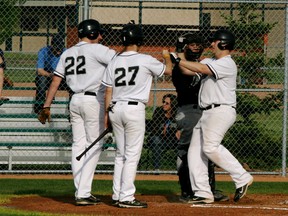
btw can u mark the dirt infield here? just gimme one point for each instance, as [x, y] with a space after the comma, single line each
[252, 204]
[276, 204]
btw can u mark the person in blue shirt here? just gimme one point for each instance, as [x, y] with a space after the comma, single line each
[48, 58]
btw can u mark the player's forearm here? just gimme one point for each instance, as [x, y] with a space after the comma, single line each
[43, 72]
[108, 97]
[52, 90]
[195, 67]
[186, 71]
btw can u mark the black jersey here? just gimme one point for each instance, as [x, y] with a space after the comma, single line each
[187, 90]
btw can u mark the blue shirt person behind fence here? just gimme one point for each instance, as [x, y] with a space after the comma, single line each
[48, 58]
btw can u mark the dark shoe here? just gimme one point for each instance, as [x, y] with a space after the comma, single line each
[200, 200]
[240, 192]
[219, 197]
[115, 202]
[132, 204]
[185, 197]
[92, 200]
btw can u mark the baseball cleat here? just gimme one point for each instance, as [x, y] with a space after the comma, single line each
[132, 204]
[241, 192]
[92, 200]
[185, 197]
[219, 197]
[200, 200]
[115, 202]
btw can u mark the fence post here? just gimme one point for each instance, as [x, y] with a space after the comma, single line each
[86, 9]
[285, 99]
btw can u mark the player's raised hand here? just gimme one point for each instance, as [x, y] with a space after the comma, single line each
[166, 54]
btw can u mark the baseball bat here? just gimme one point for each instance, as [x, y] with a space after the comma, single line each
[106, 131]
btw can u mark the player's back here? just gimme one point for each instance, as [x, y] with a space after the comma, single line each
[132, 74]
[83, 66]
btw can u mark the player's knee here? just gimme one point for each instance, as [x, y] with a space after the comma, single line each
[209, 149]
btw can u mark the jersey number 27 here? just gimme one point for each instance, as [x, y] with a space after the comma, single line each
[121, 75]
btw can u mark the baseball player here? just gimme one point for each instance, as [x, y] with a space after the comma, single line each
[83, 66]
[189, 47]
[217, 99]
[128, 80]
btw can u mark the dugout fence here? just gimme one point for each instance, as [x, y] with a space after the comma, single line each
[259, 136]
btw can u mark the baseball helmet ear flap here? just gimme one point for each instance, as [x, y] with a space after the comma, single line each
[92, 35]
[226, 38]
[224, 45]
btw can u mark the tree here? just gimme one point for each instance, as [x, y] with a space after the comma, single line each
[249, 30]
[10, 18]
[248, 135]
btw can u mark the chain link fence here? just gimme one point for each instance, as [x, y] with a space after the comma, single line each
[259, 136]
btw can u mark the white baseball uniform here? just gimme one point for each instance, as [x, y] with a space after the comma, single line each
[83, 67]
[130, 76]
[217, 94]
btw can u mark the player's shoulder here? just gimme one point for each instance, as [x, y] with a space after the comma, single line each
[45, 49]
[206, 60]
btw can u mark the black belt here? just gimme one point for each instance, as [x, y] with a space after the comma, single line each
[129, 102]
[90, 93]
[211, 106]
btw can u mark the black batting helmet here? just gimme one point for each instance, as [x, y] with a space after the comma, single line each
[89, 28]
[132, 34]
[190, 38]
[226, 38]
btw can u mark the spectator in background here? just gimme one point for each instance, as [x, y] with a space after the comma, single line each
[2, 68]
[48, 58]
[163, 129]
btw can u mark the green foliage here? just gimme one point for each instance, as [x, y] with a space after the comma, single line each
[278, 61]
[9, 18]
[250, 140]
[254, 145]
[249, 30]
[249, 104]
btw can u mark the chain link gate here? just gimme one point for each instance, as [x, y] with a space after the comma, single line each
[258, 139]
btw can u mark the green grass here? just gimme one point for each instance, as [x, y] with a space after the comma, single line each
[21, 75]
[51, 187]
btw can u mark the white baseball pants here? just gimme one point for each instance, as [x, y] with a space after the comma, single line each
[87, 119]
[128, 122]
[206, 143]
